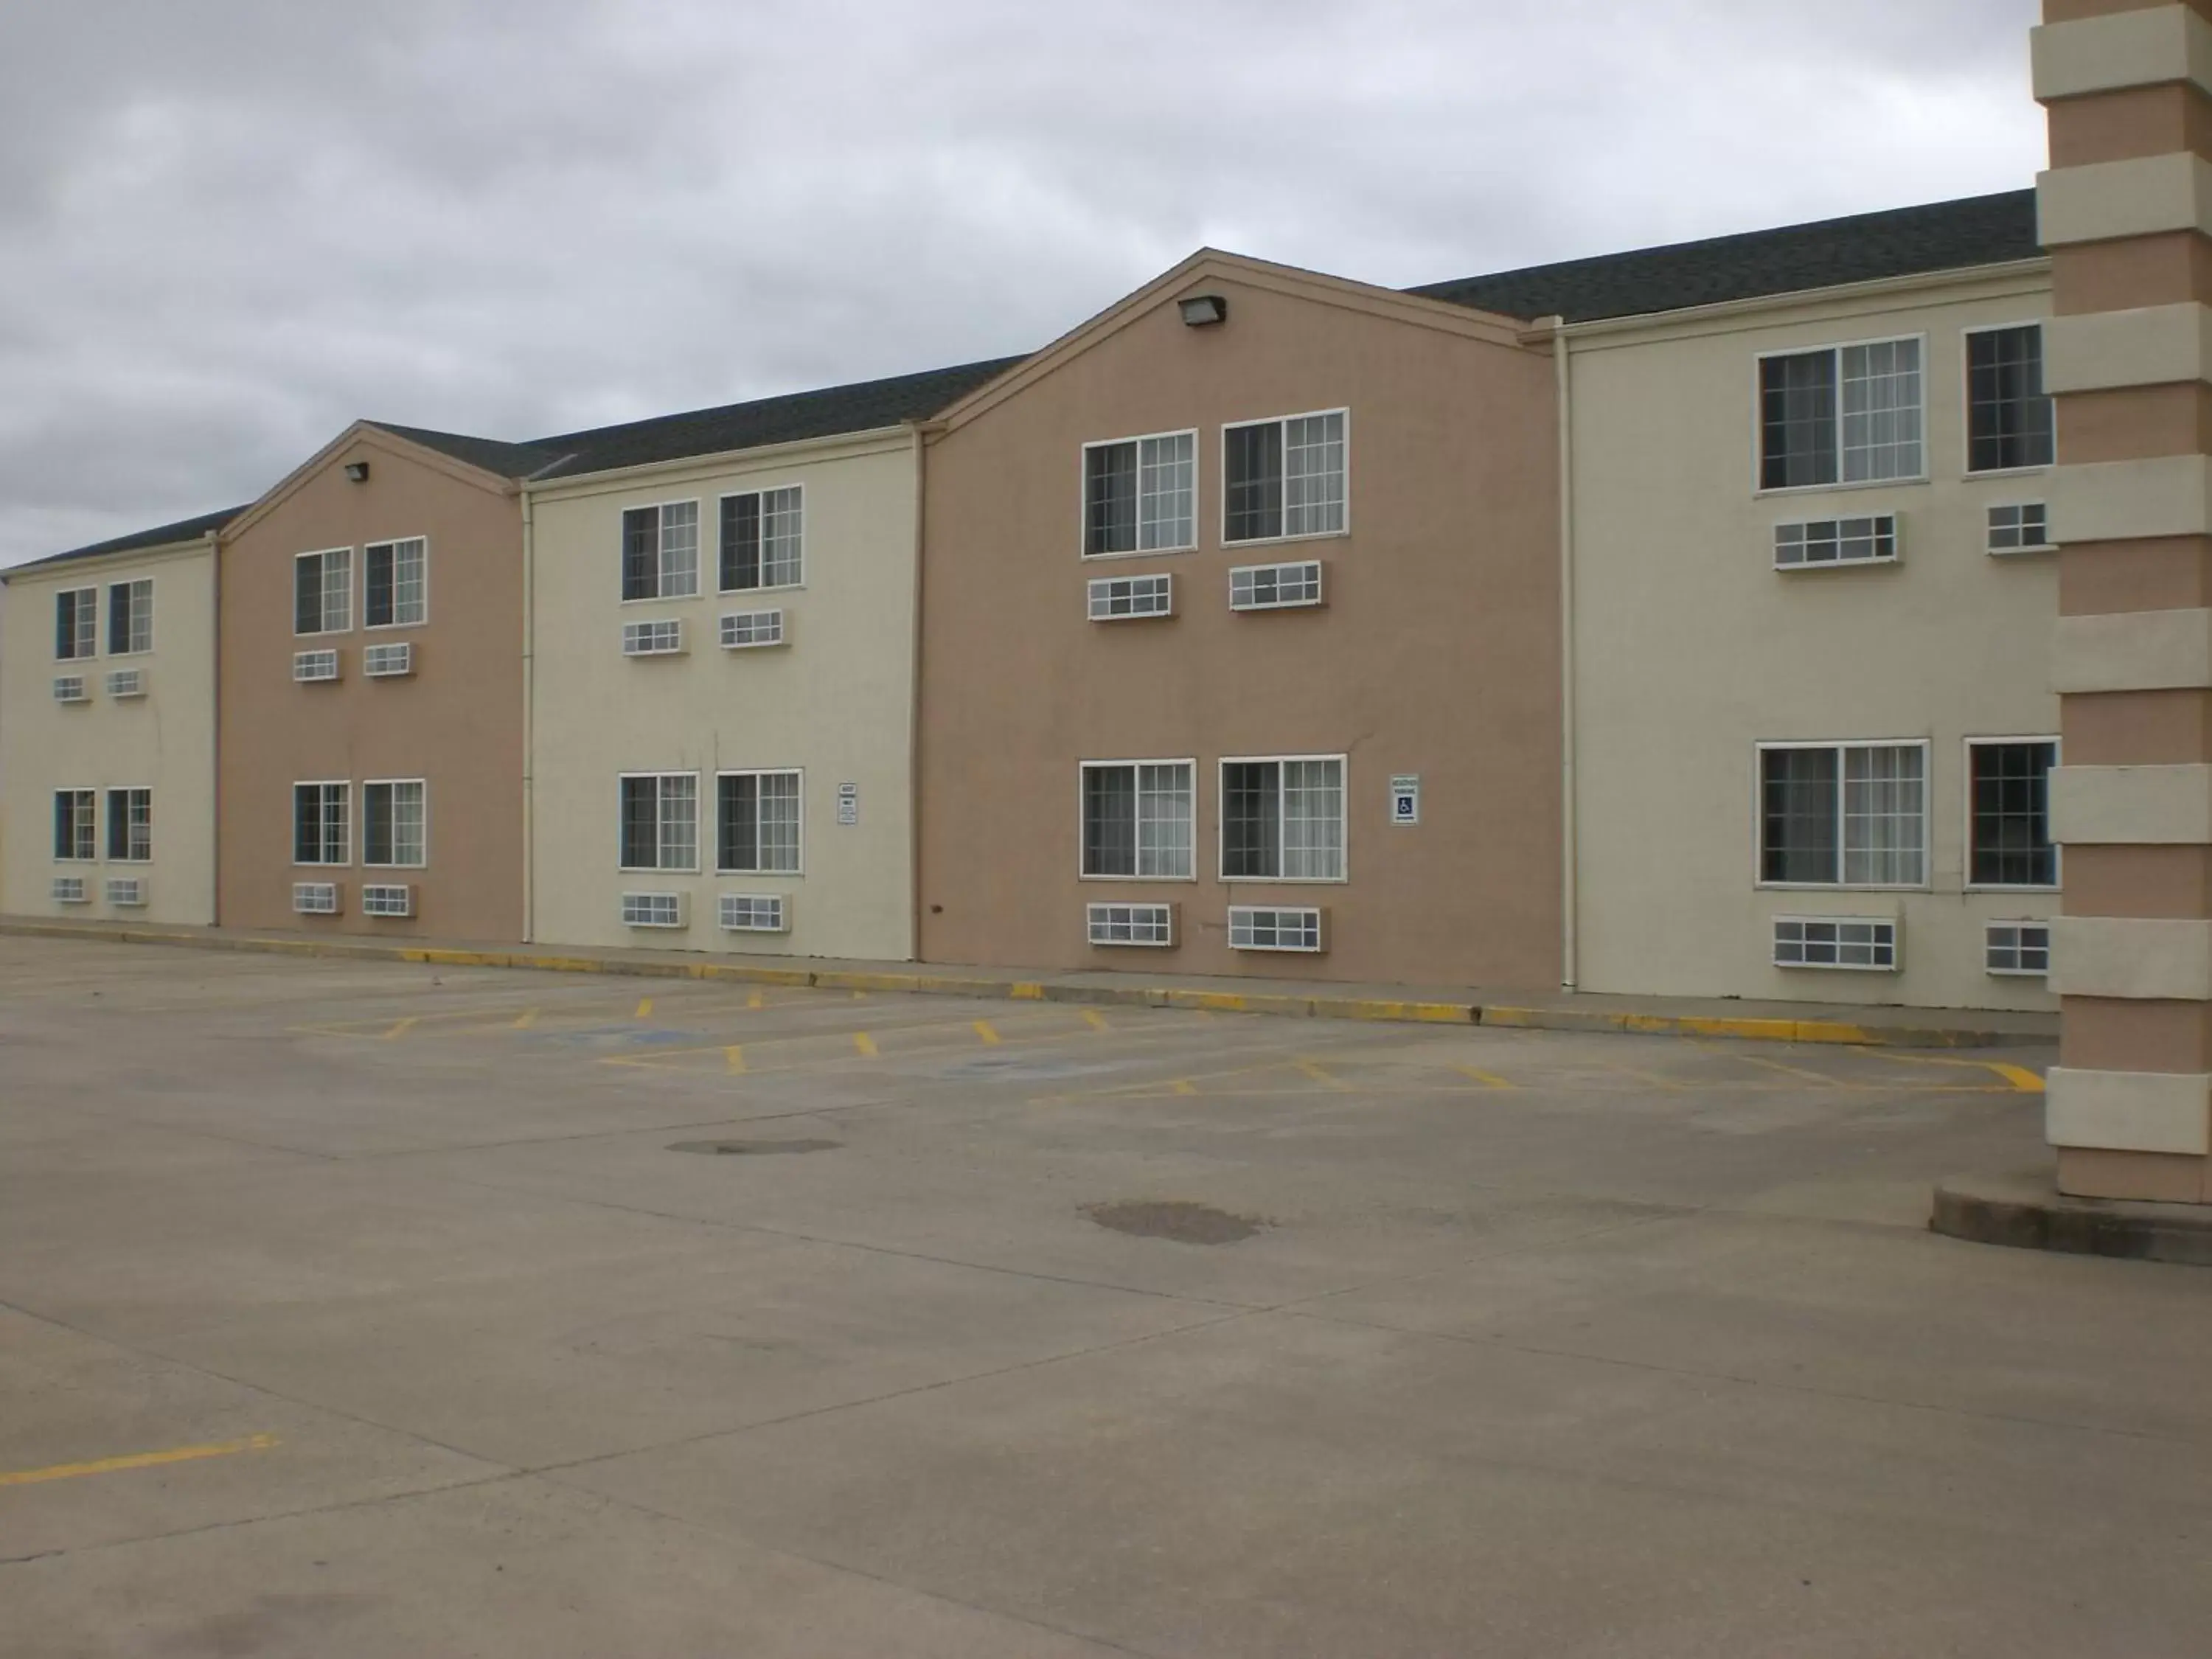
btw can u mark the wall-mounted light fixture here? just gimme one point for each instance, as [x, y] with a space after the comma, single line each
[357, 471]
[1202, 310]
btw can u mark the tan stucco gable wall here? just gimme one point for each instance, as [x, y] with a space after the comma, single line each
[1437, 653]
[456, 722]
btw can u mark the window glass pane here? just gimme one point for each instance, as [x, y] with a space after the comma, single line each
[337, 590]
[118, 617]
[1797, 420]
[2011, 785]
[679, 549]
[782, 532]
[142, 615]
[1109, 821]
[376, 824]
[779, 821]
[2008, 418]
[679, 822]
[76, 624]
[376, 584]
[640, 822]
[1167, 491]
[408, 824]
[1797, 815]
[1255, 482]
[641, 555]
[1885, 816]
[1163, 821]
[1881, 410]
[130, 824]
[1313, 819]
[741, 543]
[1313, 475]
[1110, 498]
[1251, 828]
[410, 576]
[307, 595]
[738, 816]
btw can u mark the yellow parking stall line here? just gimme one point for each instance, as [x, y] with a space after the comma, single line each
[1183, 1085]
[137, 1461]
[865, 1044]
[645, 1008]
[1096, 1020]
[1821, 1077]
[757, 1000]
[1313, 1069]
[988, 1033]
[525, 1020]
[2020, 1077]
[1487, 1080]
[733, 1059]
[403, 1027]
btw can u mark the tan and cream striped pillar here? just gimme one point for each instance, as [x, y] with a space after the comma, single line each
[2126, 212]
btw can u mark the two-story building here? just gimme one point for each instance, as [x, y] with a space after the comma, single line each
[1240, 642]
[721, 673]
[107, 738]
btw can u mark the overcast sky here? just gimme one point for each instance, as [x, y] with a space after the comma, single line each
[228, 227]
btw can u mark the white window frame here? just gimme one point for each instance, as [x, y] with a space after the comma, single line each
[421, 863]
[92, 857]
[660, 549]
[78, 631]
[797, 870]
[1927, 817]
[1221, 823]
[1083, 770]
[395, 543]
[1966, 747]
[293, 598]
[1967, 406]
[2046, 545]
[1836, 349]
[693, 868]
[1228, 427]
[2016, 922]
[133, 584]
[765, 587]
[292, 804]
[110, 791]
[1083, 495]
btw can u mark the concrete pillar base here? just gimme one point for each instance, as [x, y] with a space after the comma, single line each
[2028, 1212]
[2156, 1177]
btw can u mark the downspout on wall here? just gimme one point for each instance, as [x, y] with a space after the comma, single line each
[921, 431]
[529, 711]
[1569, 893]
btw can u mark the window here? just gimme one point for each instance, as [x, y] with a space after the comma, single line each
[1112, 598]
[76, 624]
[1836, 541]
[1140, 494]
[1282, 820]
[2021, 528]
[1843, 413]
[2017, 947]
[322, 592]
[2009, 802]
[761, 533]
[395, 583]
[393, 822]
[130, 825]
[660, 551]
[76, 834]
[1137, 819]
[758, 823]
[1283, 478]
[320, 832]
[130, 618]
[1852, 815]
[660, 821]
[2008, 415]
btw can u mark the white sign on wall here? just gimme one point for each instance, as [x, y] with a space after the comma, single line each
[1406, 797]
[849, 803]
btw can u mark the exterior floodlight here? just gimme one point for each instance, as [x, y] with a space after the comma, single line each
[357, 471]
[1201, 310]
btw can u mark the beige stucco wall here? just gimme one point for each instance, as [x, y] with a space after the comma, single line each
[164, 741]
[1436, 653]
[835, 702]
[456, 722]
[1690, 649]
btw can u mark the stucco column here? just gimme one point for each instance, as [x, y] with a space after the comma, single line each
[2126, 211]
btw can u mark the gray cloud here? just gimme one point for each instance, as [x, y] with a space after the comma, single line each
[227, 228]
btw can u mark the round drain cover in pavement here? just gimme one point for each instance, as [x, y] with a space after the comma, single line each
[754, 1148]
[1176, 1219]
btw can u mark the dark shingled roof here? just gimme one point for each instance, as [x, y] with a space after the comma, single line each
[485, 454]
[1979, 230]
[184, 530]
[863, 406]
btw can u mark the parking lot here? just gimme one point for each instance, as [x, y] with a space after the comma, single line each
[355, 1309]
